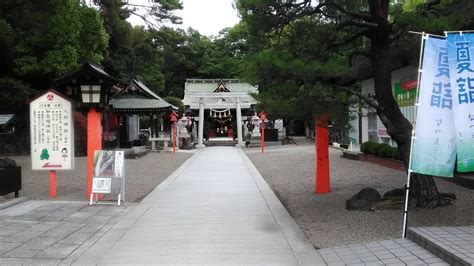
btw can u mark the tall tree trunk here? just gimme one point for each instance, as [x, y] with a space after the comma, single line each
[423, 190]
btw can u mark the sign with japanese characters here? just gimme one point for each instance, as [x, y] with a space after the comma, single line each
[101, 185]
[405, 92]
[108, 169]
[461, 67]
[434, 147]
[51, 132]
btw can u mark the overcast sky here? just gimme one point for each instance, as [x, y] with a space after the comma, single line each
[206, 16]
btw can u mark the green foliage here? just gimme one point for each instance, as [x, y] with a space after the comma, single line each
[394, 154]
[380, 150]
[383, 150]
[43, 40]
[54, 46]
[176, 102]
[188, 54]
[293, 65]
[367, 147]
[94, 37]
[14, 92]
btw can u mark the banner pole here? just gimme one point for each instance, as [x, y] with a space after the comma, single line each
[407, 186]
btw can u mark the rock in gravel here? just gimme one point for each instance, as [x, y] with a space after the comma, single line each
[363, 200]
[394, 193]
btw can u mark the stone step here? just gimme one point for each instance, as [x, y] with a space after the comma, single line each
[220, 143]
[455, 245]
[135, 152]
[387, 252]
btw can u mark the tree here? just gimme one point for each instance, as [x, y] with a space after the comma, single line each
[137, 51]
[47, 39]
[188, 54]
[39, 42]
[295, 74]
[369, 20]
[154, 13]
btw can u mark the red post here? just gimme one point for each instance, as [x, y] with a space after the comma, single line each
[173, 119]
[263, 117]
[322, 155]
[174, 137]
[94, 142]
[52, 184]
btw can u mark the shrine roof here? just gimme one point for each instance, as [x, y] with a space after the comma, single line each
[137, 97]
[140, 104]
[224, 85]
[137, 87]
[87, 72]
[6, 118]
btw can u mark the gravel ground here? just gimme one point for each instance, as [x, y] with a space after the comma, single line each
[141, 176]
[289, 170]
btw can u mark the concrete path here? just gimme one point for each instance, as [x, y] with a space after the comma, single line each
[215, 209]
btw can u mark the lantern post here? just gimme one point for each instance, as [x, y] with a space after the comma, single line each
[90, 88]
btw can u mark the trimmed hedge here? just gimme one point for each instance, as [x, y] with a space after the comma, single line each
[381, 150]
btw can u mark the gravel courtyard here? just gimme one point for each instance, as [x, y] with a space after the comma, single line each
[141, 176]
[289, 170]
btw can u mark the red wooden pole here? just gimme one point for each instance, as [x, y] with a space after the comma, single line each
[94, 142]
[322, 156]
[52, 184]
[174, 137]
[263, 137]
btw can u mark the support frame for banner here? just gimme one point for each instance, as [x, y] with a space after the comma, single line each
[424, 36]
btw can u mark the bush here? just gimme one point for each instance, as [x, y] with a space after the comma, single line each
[344, 146]
[367, 147]
[381, 150]
[395, 154]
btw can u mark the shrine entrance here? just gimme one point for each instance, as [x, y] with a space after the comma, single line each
[221, 125]
[220, 107]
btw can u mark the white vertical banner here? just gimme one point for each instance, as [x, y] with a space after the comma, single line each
[460, 49]
[434, 146]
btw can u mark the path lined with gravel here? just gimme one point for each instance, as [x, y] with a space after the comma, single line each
[142, 175]
[289, 170]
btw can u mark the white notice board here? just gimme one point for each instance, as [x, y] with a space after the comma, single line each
[51, 132]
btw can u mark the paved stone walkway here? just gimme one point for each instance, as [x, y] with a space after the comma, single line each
[48, 232]
[215, 209]
[454, 244]
[388, 252]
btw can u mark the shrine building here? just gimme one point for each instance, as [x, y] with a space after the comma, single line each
[221, 106]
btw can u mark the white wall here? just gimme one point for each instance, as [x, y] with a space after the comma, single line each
[367, 87]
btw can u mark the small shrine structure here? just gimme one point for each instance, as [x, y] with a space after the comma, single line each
[128, 105]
